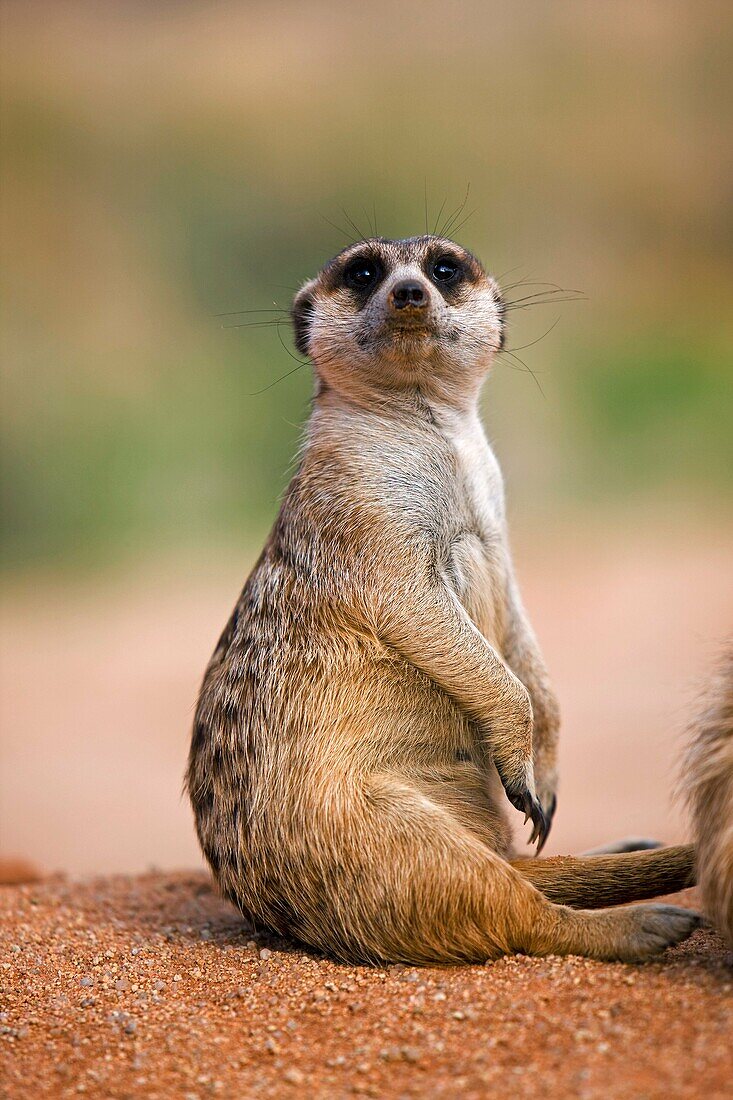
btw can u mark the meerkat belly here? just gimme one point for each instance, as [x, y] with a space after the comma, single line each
[389, 714]
[400, 722]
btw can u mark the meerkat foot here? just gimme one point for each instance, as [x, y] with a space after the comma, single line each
[654, 928]
[629, 933]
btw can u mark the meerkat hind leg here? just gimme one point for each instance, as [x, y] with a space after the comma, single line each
[418, 887]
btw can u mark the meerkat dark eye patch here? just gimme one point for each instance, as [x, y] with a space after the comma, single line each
[363, 274]
[446, 271]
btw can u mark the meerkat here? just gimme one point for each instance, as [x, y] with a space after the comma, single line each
[378, 688]
[707, 783]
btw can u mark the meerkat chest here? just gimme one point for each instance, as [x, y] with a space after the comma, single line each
[479, 485]
[477, 551]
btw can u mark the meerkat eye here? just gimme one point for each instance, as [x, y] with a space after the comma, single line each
[362, 274]
[446, 270]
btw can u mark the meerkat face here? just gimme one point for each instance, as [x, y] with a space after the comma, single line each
[389, 315]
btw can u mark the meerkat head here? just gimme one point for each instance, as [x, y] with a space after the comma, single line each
[389, 315]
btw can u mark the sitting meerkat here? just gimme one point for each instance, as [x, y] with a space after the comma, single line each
[707, 783]
[378, 687]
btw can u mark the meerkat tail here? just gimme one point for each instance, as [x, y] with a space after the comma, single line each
[626, 844]
[590, 882]
[707, 785]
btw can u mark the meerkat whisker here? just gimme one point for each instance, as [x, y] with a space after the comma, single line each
[256, 393]
[237, 312]
[257, 324]
[446, 229]
[352, 223]
[527, 369]
[339, 229]
[546, 298]
[457, 228]
[523, 347]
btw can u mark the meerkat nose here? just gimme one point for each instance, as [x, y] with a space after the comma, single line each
[409, 293]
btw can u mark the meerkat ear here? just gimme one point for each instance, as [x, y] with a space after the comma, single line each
[301, 314]
[501, 309]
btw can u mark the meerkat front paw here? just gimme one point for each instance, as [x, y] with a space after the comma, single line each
[522, 795]
[510, 739]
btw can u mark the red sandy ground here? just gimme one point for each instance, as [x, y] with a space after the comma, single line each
[152, 987]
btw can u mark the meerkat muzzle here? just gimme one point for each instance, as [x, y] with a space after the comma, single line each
[408, 295]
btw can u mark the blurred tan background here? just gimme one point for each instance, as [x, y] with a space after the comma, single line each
[165, 163]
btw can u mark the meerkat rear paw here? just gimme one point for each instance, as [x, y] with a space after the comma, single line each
[650, 929]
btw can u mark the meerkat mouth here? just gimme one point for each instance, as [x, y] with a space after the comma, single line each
[397, 331]
[415, 327]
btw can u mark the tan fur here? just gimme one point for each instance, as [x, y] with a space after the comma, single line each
[378, 682]
[707, 782]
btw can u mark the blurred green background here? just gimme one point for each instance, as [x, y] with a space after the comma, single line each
[164, 163]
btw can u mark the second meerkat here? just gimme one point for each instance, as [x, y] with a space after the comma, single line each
[379, 683]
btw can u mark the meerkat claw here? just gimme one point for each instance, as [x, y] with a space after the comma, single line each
[530, 806]
[540, 830]
[542, 834]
